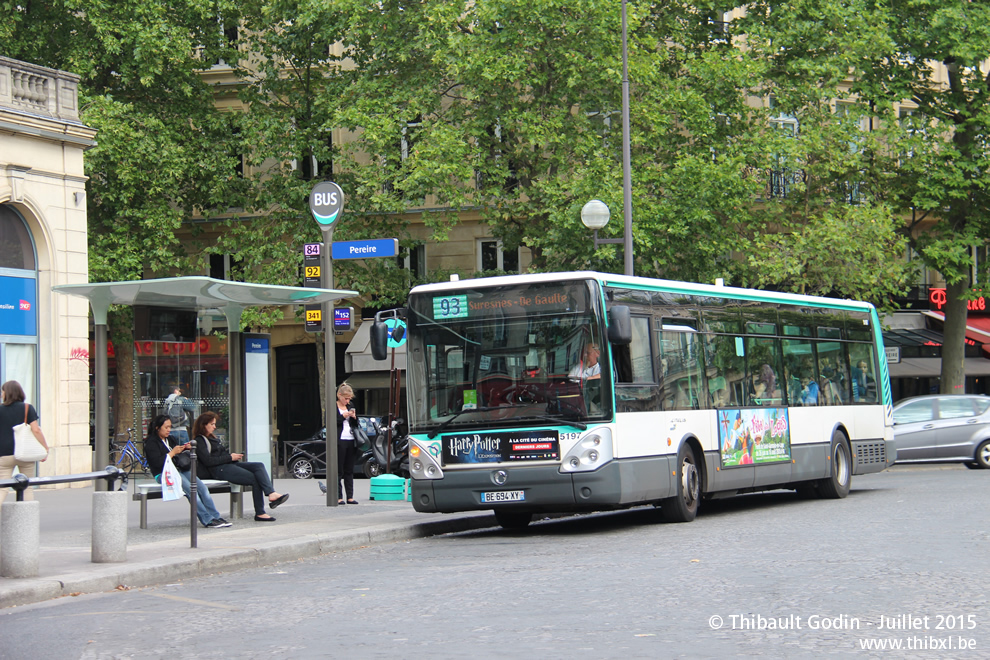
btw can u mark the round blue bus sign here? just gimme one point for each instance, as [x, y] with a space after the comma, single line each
[326, 201]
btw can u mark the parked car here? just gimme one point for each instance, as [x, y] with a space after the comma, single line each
[309, 459]
[943, 427]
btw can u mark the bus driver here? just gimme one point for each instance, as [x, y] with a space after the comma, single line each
[588, 368]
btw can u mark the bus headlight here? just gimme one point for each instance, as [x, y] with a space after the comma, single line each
[424, 462]
[591, 452]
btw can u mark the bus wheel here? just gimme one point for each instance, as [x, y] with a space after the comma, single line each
[513, 519]
[683, 507]
[836, 486]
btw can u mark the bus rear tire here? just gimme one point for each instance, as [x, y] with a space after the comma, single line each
[683, 507]
[836, 485]
[513, 519]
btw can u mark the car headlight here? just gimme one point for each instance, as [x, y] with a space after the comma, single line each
[592, 451]
[424, 461]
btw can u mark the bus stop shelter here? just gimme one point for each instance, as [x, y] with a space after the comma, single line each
[192, 294]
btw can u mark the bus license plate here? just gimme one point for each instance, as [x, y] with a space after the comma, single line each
[504, 496]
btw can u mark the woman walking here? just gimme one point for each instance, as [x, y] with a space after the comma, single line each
[12, 414]
[221, 464]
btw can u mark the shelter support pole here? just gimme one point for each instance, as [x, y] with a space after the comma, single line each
[101, 404]
[235, 362]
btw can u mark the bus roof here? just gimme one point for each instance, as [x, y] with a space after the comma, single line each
[647, 283]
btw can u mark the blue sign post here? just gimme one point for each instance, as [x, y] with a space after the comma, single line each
[377, 247]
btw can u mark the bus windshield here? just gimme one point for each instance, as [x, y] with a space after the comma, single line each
[506, 356]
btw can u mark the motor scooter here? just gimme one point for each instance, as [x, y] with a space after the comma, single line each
[398, 462]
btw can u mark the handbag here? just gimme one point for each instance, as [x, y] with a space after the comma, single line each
[27, 449]
[171, 481]
[182, 461]
[361, 440]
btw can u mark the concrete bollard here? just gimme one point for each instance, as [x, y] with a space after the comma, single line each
[20, 539]
[109, 527]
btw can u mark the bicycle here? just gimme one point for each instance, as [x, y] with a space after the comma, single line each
[127, 457]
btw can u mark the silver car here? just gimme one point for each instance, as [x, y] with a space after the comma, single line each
[943, 427]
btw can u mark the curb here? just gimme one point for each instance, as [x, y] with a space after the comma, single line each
[109, 577]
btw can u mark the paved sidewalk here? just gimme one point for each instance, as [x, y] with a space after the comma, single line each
[305, 527]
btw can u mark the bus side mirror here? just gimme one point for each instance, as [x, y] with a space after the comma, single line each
[619, 325]
[379, 340]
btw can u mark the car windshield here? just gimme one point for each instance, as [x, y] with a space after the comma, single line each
[506, 355]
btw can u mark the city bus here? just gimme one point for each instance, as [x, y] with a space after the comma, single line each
[583, 391]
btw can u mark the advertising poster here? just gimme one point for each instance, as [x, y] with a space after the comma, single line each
[18, 306]
[464, 448]
[753, 436]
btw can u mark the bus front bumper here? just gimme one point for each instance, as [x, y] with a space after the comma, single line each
[543, 488]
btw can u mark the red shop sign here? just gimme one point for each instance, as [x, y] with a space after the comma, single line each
[937, 298]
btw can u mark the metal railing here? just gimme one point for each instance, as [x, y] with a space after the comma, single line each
[21, 482]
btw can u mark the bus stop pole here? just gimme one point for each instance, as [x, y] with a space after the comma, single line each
[330, 375]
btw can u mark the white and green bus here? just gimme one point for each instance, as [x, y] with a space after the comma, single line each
[700, 391]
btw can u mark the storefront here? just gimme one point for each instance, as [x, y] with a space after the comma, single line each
[914, 348]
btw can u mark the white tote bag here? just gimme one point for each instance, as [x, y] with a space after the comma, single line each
[171, 481]
[27, 449]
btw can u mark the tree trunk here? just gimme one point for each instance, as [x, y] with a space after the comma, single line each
[121, 334]
[954, 340]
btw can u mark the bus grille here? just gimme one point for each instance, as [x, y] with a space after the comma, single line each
[869, 453]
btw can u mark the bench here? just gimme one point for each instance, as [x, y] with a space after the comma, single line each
[152, 490]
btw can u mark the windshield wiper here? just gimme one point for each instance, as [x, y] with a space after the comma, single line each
[432, 434]
[556, 420]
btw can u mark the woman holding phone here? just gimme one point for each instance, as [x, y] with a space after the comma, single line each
[221, 464]
[157, 446]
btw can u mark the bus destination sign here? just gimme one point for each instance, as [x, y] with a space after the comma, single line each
[528, 300]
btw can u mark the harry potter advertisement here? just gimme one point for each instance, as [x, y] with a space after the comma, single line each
[753, 436]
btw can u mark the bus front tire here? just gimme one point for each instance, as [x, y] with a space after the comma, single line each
[836, 485]
[683, 506]
[513, 519]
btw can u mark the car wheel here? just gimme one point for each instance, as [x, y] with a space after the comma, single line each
[513, 519]
[683, 507]
[983, 455]
[301, 468]
[372, 468]
[836, 485]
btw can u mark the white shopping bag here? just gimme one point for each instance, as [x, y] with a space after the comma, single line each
[171, 481]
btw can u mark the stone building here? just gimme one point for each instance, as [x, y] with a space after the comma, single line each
[44, 336]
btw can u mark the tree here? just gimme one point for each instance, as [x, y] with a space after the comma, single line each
[163, 149]
[894, 58]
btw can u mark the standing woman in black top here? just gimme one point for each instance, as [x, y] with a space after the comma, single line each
[346, 423]
[12, 414]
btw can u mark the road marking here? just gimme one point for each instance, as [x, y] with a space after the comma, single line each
[194, 601]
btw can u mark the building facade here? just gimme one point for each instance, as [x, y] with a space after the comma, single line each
[44, 336]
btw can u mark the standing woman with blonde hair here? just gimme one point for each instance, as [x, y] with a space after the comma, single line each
[12, 414]
[346, 451]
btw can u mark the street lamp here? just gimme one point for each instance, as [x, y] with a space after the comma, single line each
[590, 216]
[626, 158]
[595, 215]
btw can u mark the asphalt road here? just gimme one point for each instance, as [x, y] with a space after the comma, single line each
[764, 574]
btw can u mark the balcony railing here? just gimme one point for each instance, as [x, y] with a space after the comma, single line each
[38, 90]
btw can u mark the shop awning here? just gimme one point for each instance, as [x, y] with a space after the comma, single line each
[358, 359]
[370, 380]
[932, 367]
[977, 328]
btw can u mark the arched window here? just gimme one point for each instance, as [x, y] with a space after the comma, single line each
[18, 304]
[16, 248]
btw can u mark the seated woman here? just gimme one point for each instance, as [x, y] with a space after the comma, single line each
[221, 464]
[156, 448]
